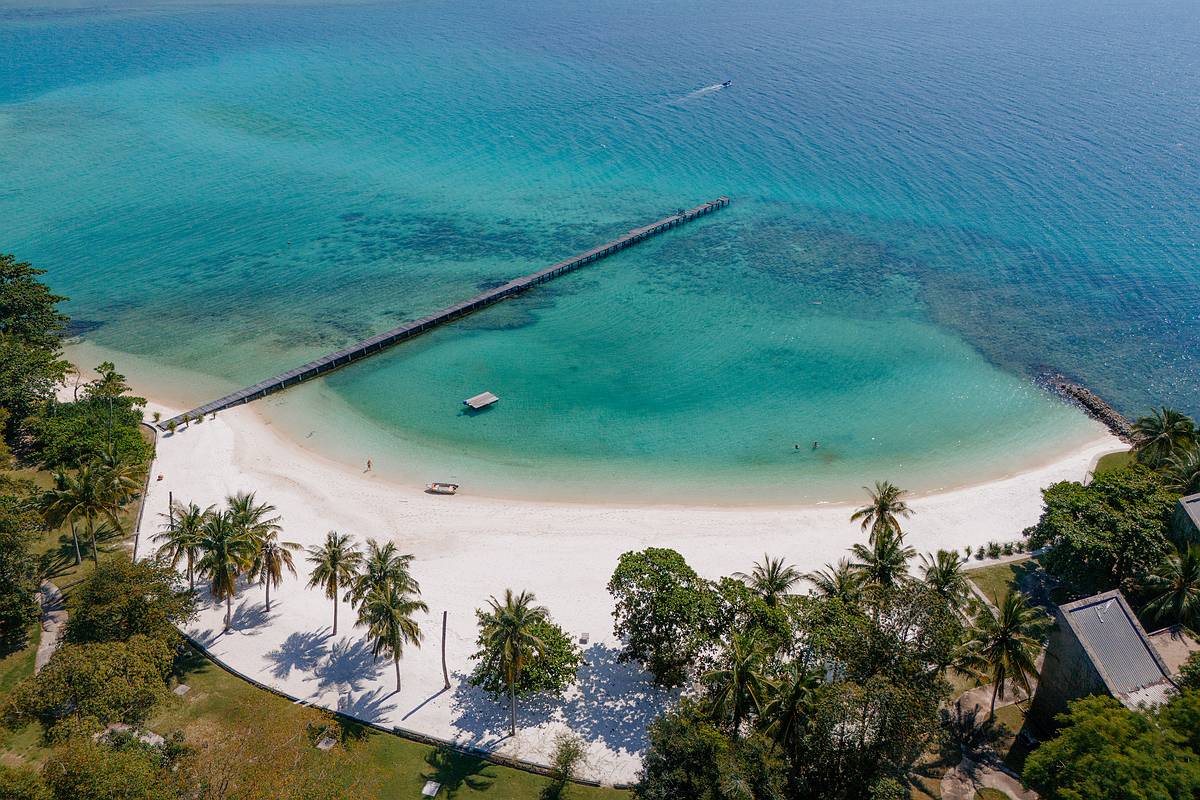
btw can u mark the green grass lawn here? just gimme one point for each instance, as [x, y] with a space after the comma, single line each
[998, 580]
[991, 794]
[1113, 461]
[401, 767]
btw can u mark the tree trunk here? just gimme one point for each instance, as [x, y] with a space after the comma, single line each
[75, 539]
[445, 672]
[92, 534]
[512, 716]
[267, 582]
[995, 691]
[396, 661]
[335, 611]
[191, 574]
[228, 610]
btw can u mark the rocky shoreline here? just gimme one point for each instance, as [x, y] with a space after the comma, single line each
[1091, 403]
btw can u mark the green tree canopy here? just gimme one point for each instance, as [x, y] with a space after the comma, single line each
[663, 610]
[123, 598]
[30, 363]
[82, 768]
[1104, 751]
[18, 571]
[551, 671]
[1106, 535]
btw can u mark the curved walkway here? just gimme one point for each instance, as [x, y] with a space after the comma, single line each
[54, 617]
[962, 782]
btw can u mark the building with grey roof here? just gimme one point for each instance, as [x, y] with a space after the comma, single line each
[1186, 522]
[1099, 647]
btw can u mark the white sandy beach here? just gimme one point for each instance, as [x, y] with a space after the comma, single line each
[470, 548]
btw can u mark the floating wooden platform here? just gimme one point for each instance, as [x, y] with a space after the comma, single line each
[481, 400]
[409, 330]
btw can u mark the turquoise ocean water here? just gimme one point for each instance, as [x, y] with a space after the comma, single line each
[933, 201]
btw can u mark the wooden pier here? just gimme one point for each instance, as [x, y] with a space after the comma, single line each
[410, 330]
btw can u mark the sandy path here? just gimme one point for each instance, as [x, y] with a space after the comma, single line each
[469, 548]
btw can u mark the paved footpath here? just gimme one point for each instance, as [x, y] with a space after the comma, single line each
[963, 781]
[54, 617]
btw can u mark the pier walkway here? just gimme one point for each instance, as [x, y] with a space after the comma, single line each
[412, 329]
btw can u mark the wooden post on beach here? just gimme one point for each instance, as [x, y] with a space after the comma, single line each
[445, 673]
[171, 509]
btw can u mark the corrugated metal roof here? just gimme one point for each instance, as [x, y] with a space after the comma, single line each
[1191, 507]
[1106, 625]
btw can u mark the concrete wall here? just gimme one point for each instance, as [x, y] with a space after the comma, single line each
[1067, 674]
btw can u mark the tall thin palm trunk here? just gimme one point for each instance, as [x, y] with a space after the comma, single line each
[267, 583]
[335, 591]
[91, 526]
[228, 611]
[512, 715]
[75, 540]
[191, 573]
[396, 662]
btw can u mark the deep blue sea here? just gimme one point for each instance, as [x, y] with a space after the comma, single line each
[934, 201]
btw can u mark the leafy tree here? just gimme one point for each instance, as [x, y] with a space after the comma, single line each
[123, 598]
[18, 571]
[334, 566]
[17, 783]
[550, 671]
[944, 574]
[1004, 646]
[508, 636]
[227, 552]
[771, 578]
[740, 686]
[662, 611]
[1162, 435]
[387, 614]
[1104, 751]
[690, 759]
[256, 520]
[30, 325]
[64, 435]
[1182, 715]
[569, 755]
[1174, 589]
[81, 497]
[181, 535]
[741, 609]
[82, 768]
[92, 685]
[884, 511]
[884, 563]
[1189, 674]
[1106, 535]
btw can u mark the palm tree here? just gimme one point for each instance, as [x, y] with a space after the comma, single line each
[842, 582]
[387, 613]
[253, 518]
[885, 562]
[227, 551]
[508, 631]
[380, 566]
[771, 578]
[1163, 434]
[81, 496]
[271, 558]
[739, 686]
[1183, 471]
[1175, 588]
[944, 574]
[884, 511]
[790, 701]
[334, 566]
[118, 477]
[181, 536]
[1003, 646]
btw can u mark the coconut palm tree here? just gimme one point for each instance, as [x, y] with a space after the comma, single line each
[227, 552]
[387, 613]
[82, 496]
[1174, 589]
[944, 574]
[181, 535]
[739, 686]
[271, 558]
[789, 706]
[884, 511]
[119, 478]
[771, 578]
[256, 519]
[382, 565]
[842, 582]
[1183, 471]
[334, 566]
[1002, 646]
[885, 562]
[508, 630]
[1163, 434]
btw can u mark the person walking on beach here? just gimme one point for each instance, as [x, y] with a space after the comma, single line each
[368, 465]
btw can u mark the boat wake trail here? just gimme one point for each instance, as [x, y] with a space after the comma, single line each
[716, 87]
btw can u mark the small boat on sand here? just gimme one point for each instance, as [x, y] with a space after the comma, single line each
[438, 487]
